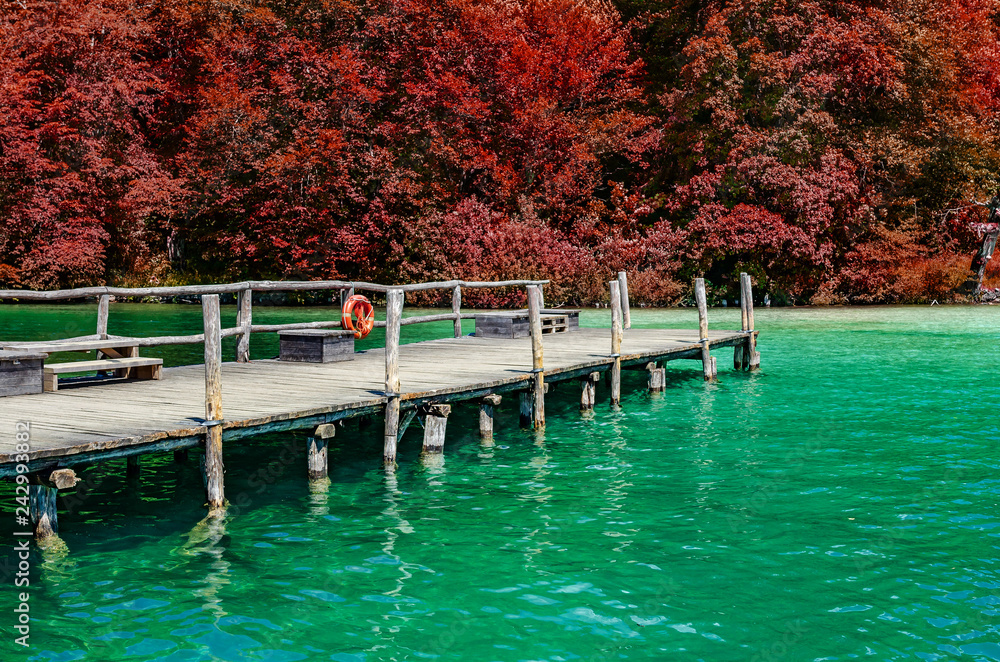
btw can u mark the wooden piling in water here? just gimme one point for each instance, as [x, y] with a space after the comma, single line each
[739, 361]
[623, 291]
[707, 360]
[657, 377]
[317, 455]
[456, 309]
[535, 325]
[617, 332]
[588, 395]
[42, 492]
[751, 357]
[525, 410]
[244, 320]
[103, 311]
[132, 466]
[214, 468]
[435, 425]
[393, 317]
[487, 411]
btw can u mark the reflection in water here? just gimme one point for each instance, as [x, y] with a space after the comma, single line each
[319, 498]
[204, 540]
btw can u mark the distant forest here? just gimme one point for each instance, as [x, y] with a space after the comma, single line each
[830, 149]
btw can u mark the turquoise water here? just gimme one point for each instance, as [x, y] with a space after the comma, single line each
[839, 504]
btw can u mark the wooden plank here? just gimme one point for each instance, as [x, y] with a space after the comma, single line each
[101, 364]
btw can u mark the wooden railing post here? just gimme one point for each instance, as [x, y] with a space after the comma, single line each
[535, 325]
[103, 305]
[623, 289]
[456, 308]
[393, 316]
[617, 331]
[707, 360]
[244, 320]
[345, 295]
[214, 469]
[751, 357]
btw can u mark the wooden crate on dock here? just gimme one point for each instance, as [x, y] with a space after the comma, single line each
[20, 372]
[514, 324]
[316, 345]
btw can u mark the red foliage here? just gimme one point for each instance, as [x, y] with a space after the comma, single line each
[820, 145]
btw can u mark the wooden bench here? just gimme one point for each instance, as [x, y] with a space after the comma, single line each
[135, 367]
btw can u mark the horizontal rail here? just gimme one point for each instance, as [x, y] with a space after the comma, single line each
[443, 317]
[256, 285]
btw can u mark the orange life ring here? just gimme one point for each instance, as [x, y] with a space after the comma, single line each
[362, 308]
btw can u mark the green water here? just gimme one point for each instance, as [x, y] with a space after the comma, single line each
[840, 504]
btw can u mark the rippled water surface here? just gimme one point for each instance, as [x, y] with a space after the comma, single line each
[839, 504]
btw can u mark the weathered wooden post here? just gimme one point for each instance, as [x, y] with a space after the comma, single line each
[435, 424]
[739, 362]
[751, 357]
[525, 409]
[103, 306]
[456, 308]
[588, 395]
[657, 377]
[317, 453]
[535, 324]
[345, 294]
[487, 411]
[707, 360]
[623, 290]
[42, 493]
[393, 316]
[616, 343]
[214, 469]
[244, 320]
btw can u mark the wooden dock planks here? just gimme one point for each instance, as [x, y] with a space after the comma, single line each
[124, 418]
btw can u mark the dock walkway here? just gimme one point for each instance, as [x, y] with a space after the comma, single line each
[115, 419]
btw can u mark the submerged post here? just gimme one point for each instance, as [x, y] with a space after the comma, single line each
[244, 320]
[487, 411]
[103, 305]
[657, 377]
[751, 357]
[456, 309]
[707, 360]
[589, 392]
[739, 362]
[538, 382]
[435, 425]
[616, 342]
[317, 453]
[393, 316]
[42, 492]
[623, 290]
[214, 469]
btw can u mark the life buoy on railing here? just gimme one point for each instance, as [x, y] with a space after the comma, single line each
[361, 307]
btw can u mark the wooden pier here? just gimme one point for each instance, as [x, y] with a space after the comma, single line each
[216, 403]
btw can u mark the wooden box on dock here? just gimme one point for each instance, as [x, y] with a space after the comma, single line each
[21, 372]
[316, 345]
[514, 324]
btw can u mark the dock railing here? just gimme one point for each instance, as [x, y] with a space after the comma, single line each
[213, 334]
